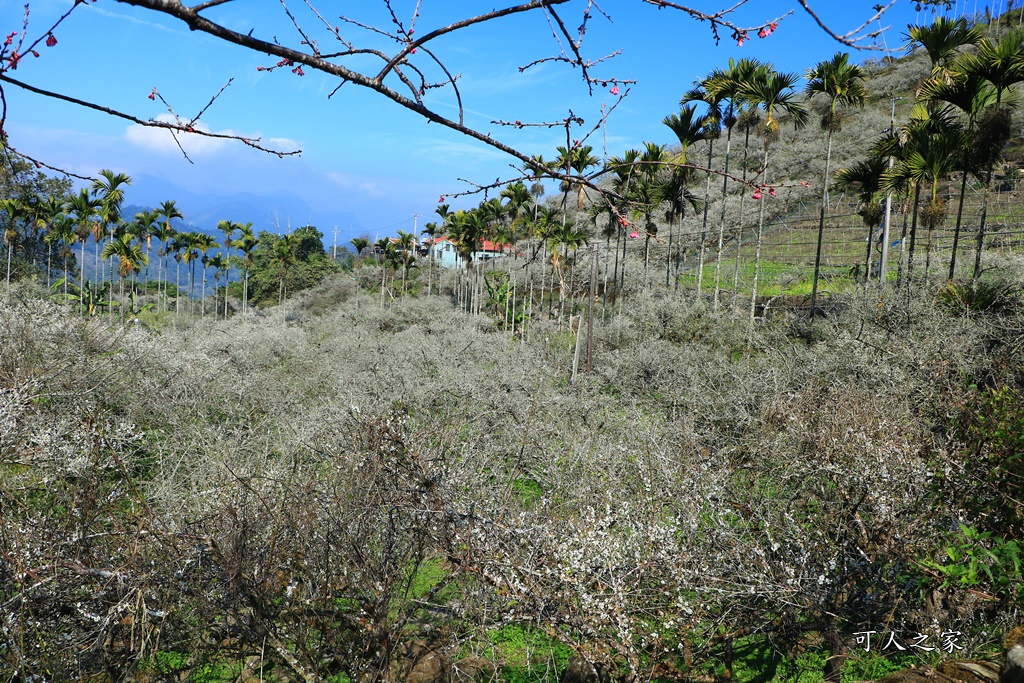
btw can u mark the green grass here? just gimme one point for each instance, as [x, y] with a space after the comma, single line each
[777, 278]
[529, 654]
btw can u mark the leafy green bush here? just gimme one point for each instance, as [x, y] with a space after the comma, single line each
[277, 270]
[984, 295]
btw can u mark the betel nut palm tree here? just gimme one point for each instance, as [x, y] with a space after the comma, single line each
[130, 256]
[284, 256]
[866, 177]
[727, 85]
[229, 229]
[63, 231]
[360, 244]
[971, 97]
[203, 243]
[247, 243]
[773, 93]
[14, 212]
[109, 188]
[1001, 64]
[942, 40]
[711, 130]
[168, 211]
[85, 208]
[576, 160]
[688, 127]
[926, 150]
[843, 84]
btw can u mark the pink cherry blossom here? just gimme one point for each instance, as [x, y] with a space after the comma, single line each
[634, 235]
[614, 90]
[757, 194]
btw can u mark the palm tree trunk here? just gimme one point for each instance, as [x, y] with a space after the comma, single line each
[739, 222]
[721, 225]
[913, 234]
[821, 224]
[757, 255]
[647, 253]
[81, 289]
[668, 259]
[956, 230]
[704, 224]
[867, 257]
[177, 290]
[622, 275]
[979, 245]
[903, 248]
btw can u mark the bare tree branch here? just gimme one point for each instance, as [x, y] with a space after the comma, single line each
[178, 127]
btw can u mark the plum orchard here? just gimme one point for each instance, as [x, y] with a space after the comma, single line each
[363, 491]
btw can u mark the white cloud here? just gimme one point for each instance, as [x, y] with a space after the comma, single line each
[369, 188]
[162, 140]
[133, 20]
[283, 144]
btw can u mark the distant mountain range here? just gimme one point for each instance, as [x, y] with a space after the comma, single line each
[276, 213]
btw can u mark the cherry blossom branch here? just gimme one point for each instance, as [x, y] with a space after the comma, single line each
[181, 128]
[8, 150]
[851, 38]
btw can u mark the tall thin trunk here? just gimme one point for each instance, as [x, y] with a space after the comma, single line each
[81, 289]
[956, 230]
[721, 224]
[622, 274]
[177, 290]
[903, 249]
[757, 255]
[821, 223]
[704, 223]
[979, 244]
[615, 274]
[867, 258]
[668, 258]
[739, 222]
[647, 253]
[913, 234]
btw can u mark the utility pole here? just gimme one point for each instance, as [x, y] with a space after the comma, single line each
[888, 206]
[335, 255]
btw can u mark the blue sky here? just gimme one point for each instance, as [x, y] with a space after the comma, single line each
[368, 165]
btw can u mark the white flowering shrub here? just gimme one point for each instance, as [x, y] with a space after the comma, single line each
[365, 485]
